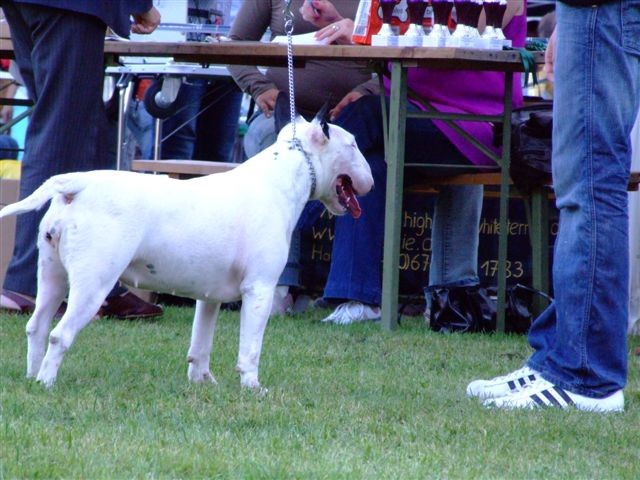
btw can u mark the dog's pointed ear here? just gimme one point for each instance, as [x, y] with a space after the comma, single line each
[282, 112]
[321, 118]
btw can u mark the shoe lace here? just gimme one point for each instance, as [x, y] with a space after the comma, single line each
[352, 310]
[521, 372]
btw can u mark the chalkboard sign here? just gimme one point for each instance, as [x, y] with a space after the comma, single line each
[415, 247]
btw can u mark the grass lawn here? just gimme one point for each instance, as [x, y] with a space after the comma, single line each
[345, 402]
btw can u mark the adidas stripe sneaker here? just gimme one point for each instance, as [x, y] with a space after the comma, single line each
[545, 394]
[503, 385]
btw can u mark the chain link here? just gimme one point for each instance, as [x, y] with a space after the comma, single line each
[288, 28]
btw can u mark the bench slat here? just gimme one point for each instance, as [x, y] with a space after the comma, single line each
[181, 168]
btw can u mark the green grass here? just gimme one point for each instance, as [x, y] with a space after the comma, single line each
[344, 402]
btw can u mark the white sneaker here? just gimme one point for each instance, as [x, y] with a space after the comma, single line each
[504, 385]
[351, 312]
[545, 394]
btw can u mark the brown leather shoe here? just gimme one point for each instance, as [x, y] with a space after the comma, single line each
[128, 306]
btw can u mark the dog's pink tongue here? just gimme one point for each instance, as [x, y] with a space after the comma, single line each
[347, 196]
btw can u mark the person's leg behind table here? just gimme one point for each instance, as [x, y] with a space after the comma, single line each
[355, 275]
[217, 124]
[580, 356]
[64, 78]
[178, 137]
[260, 134]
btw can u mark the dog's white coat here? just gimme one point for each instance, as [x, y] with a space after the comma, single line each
[215, 238]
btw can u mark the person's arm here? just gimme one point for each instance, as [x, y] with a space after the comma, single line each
[332, 26]
[550, 56]
[320, 13]
[371, 87]
[250, 23]
[514, 8]
[8, 89]
[146, 22]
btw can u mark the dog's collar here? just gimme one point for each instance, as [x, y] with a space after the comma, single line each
[295, 144]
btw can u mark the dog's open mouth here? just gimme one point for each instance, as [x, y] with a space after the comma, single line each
[347, 195]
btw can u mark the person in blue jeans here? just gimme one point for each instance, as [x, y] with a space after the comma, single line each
[59, 48]
[356, 270]
[355, 275]
[579, 341]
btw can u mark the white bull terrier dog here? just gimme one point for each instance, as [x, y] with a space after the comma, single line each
[215, 239]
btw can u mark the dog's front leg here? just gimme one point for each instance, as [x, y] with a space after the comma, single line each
[254, 315]
[204, 325]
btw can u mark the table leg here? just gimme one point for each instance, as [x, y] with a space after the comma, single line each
[393, 206]
[503, 238]
[125, 91]
[539, 246]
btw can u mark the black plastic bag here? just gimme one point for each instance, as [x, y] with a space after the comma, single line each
[462, 309]
[530, 165]
[473, 309]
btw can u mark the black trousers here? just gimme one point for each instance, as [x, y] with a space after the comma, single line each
[61, 58]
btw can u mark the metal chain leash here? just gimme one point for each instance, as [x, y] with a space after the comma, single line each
[288, 29]
[295, 143]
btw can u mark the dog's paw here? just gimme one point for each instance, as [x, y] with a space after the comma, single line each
[256, 388]
[198, 375]
[47, 381]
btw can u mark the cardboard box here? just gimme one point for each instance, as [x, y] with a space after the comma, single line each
[9, 191]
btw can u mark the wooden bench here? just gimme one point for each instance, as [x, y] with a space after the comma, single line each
[181, 168]
[537, 211]
[537, 215]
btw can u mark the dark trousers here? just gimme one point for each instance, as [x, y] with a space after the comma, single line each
[61, 59]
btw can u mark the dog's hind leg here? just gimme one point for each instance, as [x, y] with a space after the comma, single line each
[87, 290]
[204, 325]
[254, 315]
[52, 288]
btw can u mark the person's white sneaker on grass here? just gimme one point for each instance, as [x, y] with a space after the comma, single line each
[503, 385]
[351, 312]
[542, 393]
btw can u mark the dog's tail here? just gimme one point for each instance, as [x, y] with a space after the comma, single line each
[67, 184]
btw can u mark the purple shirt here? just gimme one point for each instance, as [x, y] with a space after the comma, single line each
[475, 92]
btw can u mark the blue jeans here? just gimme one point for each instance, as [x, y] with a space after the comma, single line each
[261, 134]
[356, 260]
[580, 340]
[206, 122]
[9, 148]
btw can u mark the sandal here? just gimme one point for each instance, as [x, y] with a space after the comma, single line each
[25, 304]
[17, 303]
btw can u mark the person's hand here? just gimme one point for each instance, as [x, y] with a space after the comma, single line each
[549, 57]
[146, 22]
[6, 114]
[346, 100]
[266, 101]
[319, 12]
[339, 32]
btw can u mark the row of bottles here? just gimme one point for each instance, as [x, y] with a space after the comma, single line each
[465, 34]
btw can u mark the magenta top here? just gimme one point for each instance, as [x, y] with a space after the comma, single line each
[475, 92]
